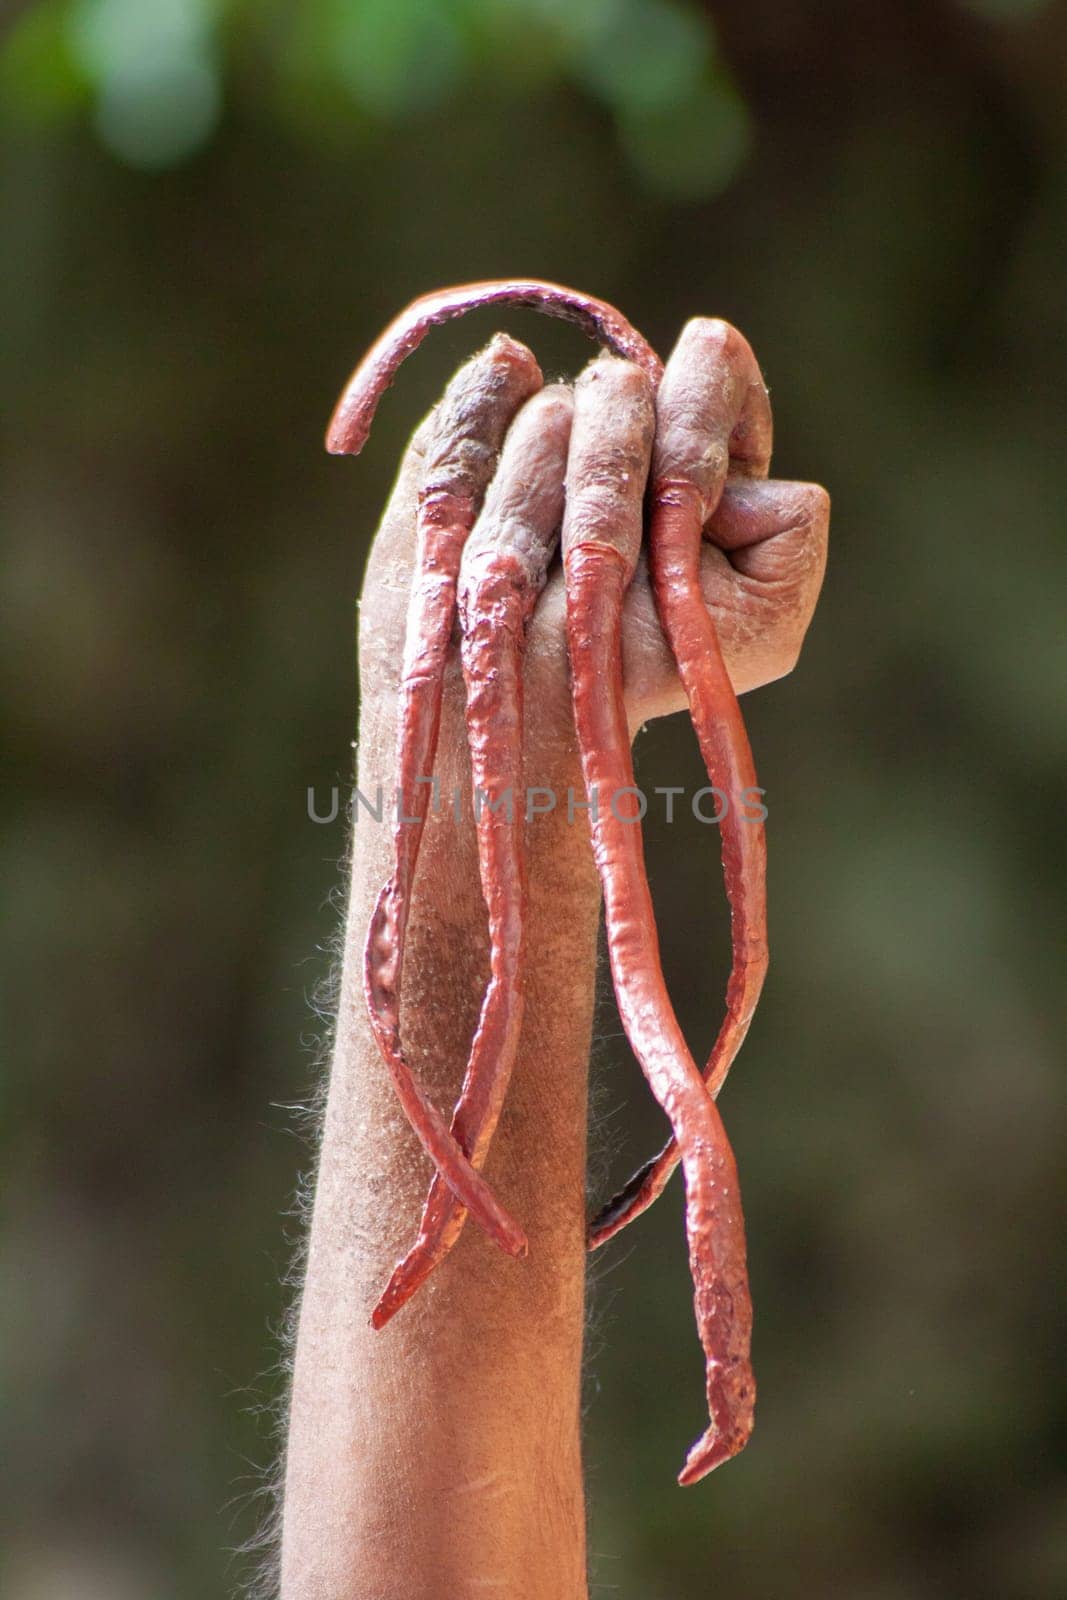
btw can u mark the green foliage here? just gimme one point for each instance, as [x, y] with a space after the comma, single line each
[41, 80]
[153, 74]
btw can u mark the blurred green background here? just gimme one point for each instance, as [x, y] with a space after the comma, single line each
[208, 210]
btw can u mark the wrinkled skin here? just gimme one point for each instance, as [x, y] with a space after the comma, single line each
[442, 1455]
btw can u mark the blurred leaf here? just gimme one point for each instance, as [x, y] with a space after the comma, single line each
[158, 115]
[110, 36]
[691, 147]
[643, 56]
[40, 80]
[158, 85]
[396, 57]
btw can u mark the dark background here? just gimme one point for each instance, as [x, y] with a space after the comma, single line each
[207, 212]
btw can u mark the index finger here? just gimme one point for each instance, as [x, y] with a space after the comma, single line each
[453, 453]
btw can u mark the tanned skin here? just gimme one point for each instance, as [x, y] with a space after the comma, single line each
[440, 1456]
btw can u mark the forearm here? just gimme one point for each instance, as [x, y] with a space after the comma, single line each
[441, 1455]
